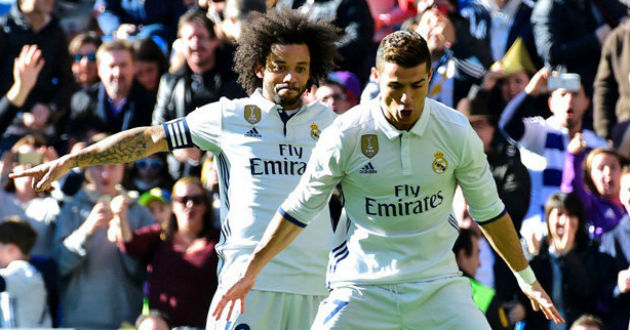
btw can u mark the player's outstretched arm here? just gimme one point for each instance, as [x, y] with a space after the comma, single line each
[278, 235]
[502, 236]
[122, 147]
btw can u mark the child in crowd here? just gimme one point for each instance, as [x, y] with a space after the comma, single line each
[19, 279]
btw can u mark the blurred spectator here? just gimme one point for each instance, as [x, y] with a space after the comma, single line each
[155, 320]
[568, 265]
[151, 64]
[595, 179]
[181, 258]
[466, 250]
[147, 173]
[388, 15]
[82, 49]
[158, 201]
[31, 22]
[19, 279]
[456, 61]
[357, 27]
[570, 33]
[507, 79]
[543, 142]
[502, 22]
[513, 185]
[607, 220]
[26, 69]
[611, 99]
[18, 196]
[140, 18]
[588, 322]
[205, 76]
[119, 102]
[100, 288]
[341, 91]
[237, 15]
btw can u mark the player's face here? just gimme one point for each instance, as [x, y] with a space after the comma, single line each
[403, 91]
[606, 174]
[285, 74]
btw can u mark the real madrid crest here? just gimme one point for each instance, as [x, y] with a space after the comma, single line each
[369, 145]
[315, 131]
[252, 114]
[440, 165]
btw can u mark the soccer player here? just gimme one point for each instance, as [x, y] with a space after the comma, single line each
[398, 159]
[262, 144]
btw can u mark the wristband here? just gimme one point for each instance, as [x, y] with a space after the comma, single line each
[526, 276]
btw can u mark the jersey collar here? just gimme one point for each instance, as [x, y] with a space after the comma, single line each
[392, 132]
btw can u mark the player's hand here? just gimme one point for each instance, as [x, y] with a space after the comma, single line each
[541, 302]
[238, 291]
[45, 174]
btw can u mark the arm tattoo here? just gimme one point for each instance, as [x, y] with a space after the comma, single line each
[120, 148]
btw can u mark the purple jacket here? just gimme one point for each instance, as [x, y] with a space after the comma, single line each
[602, 214]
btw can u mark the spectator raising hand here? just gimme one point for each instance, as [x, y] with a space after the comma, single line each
[26, 68]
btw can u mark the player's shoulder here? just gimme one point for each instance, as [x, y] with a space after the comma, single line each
[359, 117]
[445, 115]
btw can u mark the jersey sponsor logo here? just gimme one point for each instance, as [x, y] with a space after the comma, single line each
[367, 169]
[440, 165]
[259, 166]
[400, 208]
[252, 114]
[315, 131]
[253, 133]
[369, 145]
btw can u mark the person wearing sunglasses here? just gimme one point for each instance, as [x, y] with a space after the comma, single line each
[82, 49]
[180, 256]
[147, 173]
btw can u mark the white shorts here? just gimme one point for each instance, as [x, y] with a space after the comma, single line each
[439, 304]
[267, 310]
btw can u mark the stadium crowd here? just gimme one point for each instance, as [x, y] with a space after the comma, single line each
[544, 83]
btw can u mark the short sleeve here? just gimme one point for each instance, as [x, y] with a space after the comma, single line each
[476, 181]
[201, 128]
[323, 173]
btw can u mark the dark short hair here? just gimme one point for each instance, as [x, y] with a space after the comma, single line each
[199, 16]
[572, 204]
[146, 50]
[285, 27]
[89, 37]
[405, 48]
[464, 241]
[14, 230]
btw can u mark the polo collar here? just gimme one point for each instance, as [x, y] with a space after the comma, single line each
[392, 132]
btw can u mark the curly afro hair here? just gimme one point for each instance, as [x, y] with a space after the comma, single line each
[285, 27]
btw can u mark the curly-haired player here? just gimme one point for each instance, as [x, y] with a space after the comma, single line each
[262, 144]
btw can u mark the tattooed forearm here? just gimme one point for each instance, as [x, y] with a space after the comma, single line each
[120, 148]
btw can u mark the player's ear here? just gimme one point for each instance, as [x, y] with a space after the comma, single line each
[375, 74]
[259, 70]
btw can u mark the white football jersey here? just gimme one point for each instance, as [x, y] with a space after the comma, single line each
[398, 188]
[260, 161]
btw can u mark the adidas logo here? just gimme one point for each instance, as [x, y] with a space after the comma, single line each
[253, 133]
[368, 168]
